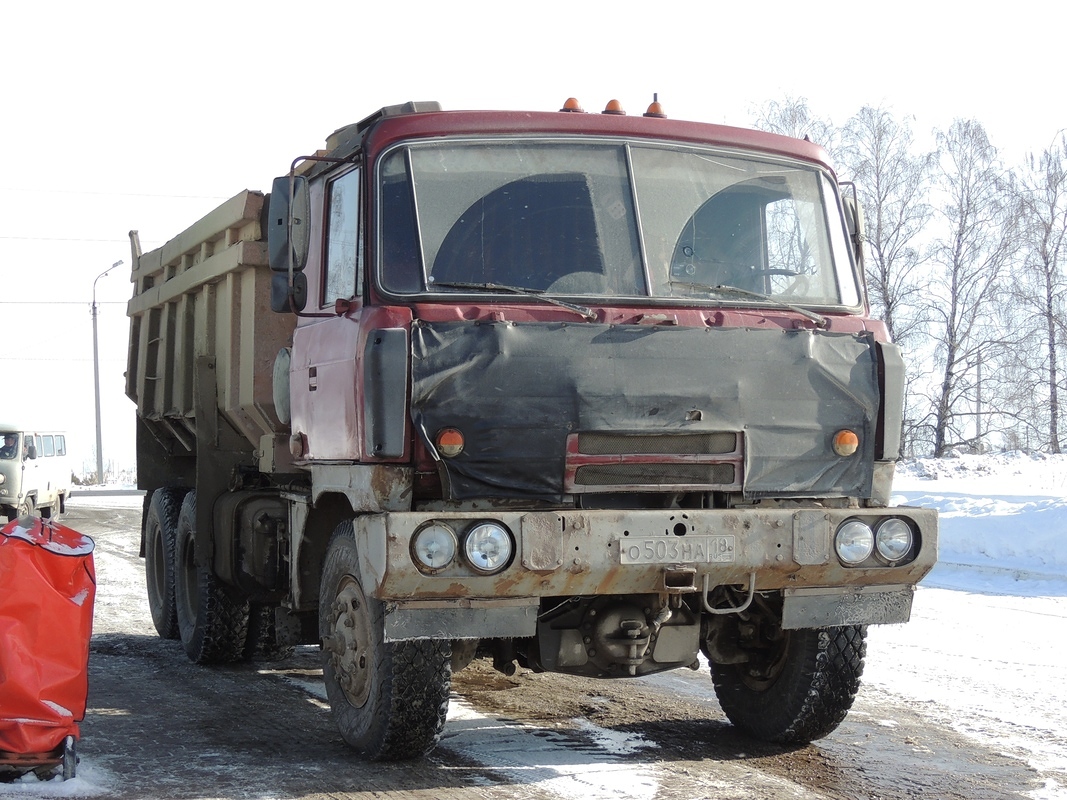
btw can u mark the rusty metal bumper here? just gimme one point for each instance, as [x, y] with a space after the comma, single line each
[590, 553]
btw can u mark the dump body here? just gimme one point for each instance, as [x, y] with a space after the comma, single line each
[598, 392]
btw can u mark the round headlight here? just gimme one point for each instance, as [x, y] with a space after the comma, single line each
[3, 478]
[893, 539]
[488, 547]
[854, 542]
[434, 546]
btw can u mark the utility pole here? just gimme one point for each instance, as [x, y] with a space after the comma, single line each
[96, 380]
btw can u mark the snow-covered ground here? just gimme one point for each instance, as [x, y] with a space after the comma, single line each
[985, 653]
[986, 649]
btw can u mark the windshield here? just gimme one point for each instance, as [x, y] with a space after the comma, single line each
[609, 219]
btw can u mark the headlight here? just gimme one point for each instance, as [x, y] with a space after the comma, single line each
[3, 479]
[434, 546]
[893, 539]
[854, 542]
[488, 547]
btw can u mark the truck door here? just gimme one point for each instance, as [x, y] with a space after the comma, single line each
[324, 348]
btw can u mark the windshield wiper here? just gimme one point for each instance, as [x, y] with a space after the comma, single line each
[736, 291]
[537, 294]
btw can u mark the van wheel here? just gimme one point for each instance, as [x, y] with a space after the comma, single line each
[212, 618]
[160, 527]
[26, 507]
[388, 700]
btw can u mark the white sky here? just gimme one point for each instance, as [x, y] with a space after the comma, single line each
[134, 115]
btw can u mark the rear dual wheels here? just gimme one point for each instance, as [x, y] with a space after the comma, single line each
[161, 523]
[212, 617]
[388, 699]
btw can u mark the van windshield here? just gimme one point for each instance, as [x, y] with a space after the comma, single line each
[608, 219]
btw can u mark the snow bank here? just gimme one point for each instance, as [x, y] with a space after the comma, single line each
[1003, 519]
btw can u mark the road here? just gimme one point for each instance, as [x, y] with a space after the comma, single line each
[158, 726]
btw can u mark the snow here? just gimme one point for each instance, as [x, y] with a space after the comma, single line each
[983, 654]
[987, 642]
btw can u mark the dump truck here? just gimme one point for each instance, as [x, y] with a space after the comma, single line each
[586, 393]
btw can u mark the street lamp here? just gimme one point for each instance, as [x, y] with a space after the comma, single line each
[96, 380]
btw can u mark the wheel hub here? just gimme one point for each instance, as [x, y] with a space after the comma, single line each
[349, 640]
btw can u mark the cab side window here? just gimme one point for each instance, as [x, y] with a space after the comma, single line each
[344, 239]
[61, 445]
[49, 446]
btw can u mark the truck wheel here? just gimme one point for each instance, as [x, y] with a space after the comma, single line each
[388, 700]
[261, 643]
[800, 692]
[212, 619]
[160, 525]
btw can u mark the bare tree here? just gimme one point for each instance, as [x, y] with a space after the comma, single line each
[893, 186]
[969, 260]
[793, 117]
[1039, 283]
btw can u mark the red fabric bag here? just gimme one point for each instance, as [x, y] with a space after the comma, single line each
[47, 589]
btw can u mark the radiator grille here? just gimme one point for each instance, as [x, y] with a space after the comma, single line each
[601, 444]
[654, 474]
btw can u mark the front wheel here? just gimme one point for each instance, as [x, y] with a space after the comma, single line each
[388, 699]
[799, 691]
[212, 618]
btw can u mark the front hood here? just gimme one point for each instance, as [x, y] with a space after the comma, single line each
[517, 391]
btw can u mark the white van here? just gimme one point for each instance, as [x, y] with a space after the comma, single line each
[34, 472]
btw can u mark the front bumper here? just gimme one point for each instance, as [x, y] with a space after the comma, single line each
[591, 553]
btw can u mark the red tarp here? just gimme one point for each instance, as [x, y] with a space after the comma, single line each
[47, 588]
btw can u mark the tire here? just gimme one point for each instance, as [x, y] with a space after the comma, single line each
[388, 700]
[802, 693]
[160, 529]
[212, 618]
[261, 644]
[26, 508]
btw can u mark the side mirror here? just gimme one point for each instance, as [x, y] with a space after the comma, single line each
[31, 452]
[288, 236]
[289, 211]
[854, 221]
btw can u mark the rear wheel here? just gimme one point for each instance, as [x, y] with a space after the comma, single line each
[161, 525]
[388, 700]
[261, 643]
[212, 618]
[798, 690]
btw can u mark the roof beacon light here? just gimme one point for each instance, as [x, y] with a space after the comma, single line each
[613, 107]
[655, 110]
[572, 104]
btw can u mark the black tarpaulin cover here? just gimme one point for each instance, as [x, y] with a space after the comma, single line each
[517, 390]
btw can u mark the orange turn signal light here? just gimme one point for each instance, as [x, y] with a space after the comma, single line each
[613, 107]
[846, 442]
[449, 442]
[572, 104]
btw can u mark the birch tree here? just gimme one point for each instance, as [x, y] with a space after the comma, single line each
[1039, 283]
[969, 261]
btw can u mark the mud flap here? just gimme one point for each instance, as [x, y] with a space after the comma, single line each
[854, 605]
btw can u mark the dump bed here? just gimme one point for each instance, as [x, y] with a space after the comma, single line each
[201, 302]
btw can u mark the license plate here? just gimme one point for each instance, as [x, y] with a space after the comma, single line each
[677, 550]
